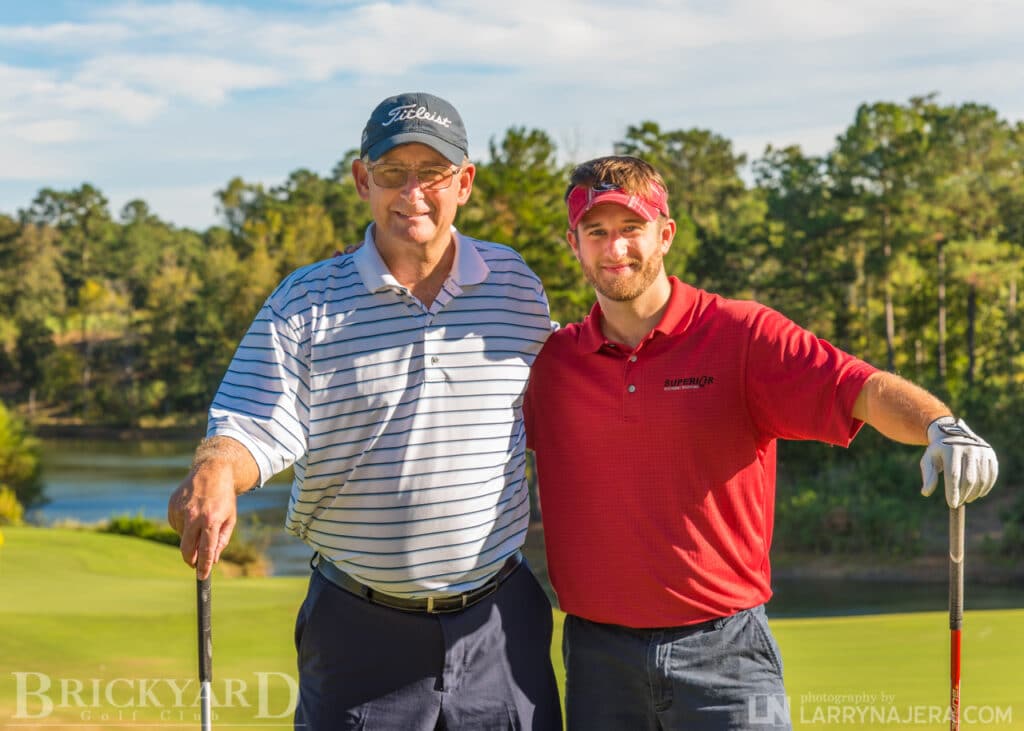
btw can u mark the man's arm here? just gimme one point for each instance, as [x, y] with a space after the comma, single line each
[898, 408]
[907, 413]
[203, 510]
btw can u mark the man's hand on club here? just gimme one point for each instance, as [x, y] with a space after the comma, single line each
[203, 510]
[967, 462]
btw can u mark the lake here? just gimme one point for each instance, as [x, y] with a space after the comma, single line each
[90, 480]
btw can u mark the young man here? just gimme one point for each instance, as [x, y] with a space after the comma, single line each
[393, 380]
[654, 423]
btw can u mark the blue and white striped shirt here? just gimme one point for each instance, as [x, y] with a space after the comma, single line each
[404, 424]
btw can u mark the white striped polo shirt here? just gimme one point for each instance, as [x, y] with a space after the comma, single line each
[404, 424]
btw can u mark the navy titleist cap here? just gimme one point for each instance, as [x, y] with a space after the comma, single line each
[415, 117]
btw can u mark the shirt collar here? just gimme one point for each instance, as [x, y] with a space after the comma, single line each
[679, 313]
[591, 337]
[468, 268]
[674, 320]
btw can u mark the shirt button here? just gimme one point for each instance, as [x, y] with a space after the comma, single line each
[632, 359]
[631, 388]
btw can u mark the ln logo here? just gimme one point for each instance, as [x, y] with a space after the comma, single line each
[768, 709]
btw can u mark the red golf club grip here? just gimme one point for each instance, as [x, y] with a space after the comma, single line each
[954, 680]
[956, 610]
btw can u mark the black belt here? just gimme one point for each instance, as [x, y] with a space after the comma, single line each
[430, 604]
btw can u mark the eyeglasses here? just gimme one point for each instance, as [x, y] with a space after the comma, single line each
[429, 177]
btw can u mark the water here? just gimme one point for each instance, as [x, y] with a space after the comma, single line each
[90, 481]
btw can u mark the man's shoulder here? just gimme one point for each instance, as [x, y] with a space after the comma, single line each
[489, 248]
[502, 255]
[747, 320]
[564, 338]
[568, 333]
[722, 310]
[317, 280]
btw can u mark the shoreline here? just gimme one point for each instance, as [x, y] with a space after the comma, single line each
[984, 527]
[117, 433]
[927, 569]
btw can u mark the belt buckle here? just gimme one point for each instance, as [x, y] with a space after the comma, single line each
[466, 597]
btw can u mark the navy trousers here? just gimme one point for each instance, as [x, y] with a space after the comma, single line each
[363, 666]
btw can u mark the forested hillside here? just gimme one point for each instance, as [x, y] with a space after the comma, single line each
[903, 244]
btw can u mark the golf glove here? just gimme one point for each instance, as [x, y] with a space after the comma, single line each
[967, 462]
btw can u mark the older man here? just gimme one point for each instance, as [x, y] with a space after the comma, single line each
[392, 381]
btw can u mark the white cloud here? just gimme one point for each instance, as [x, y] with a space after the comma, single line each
[27, 163]
[117, 89]
[192, 206]
[15, 80]
[201, 78]
[177, 19]
[66, 35]
[218, 50]
[48, 131]
[115, 99]
[35, 94]
[812, 140]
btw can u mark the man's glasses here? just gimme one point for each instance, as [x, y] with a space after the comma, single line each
[429, 177]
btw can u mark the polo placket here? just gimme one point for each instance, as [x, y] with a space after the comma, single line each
[633, 392]
[433, 352]
[433, 335]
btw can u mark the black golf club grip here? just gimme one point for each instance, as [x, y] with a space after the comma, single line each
[205, 637]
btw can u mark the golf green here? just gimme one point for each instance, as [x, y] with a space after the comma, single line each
[98, 632]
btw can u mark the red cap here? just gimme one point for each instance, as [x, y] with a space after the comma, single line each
[581, 199]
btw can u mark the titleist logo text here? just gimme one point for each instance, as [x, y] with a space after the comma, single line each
[411, 111]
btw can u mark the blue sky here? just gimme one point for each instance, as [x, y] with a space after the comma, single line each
[167, 101]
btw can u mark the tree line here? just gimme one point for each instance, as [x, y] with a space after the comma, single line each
[902, 244]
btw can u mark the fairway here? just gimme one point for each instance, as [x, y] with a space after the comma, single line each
[98, 632]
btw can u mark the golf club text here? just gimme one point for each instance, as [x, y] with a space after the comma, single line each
[38, 695]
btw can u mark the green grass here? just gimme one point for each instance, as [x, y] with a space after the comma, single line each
[895, 667]
[97, 613]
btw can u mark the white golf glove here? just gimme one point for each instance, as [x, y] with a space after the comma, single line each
[967, 462]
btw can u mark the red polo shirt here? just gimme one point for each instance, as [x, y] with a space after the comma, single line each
[656, 466]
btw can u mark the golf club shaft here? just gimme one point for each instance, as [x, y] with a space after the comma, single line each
[205, 648]
[956, 610]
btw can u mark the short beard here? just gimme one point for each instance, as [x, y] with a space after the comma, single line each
[624, 290]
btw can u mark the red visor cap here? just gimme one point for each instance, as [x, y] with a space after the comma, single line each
[581, 199]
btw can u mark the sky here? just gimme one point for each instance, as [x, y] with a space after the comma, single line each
[167, 101]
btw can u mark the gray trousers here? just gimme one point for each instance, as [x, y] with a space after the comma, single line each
[723, 675]
[363, 666]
